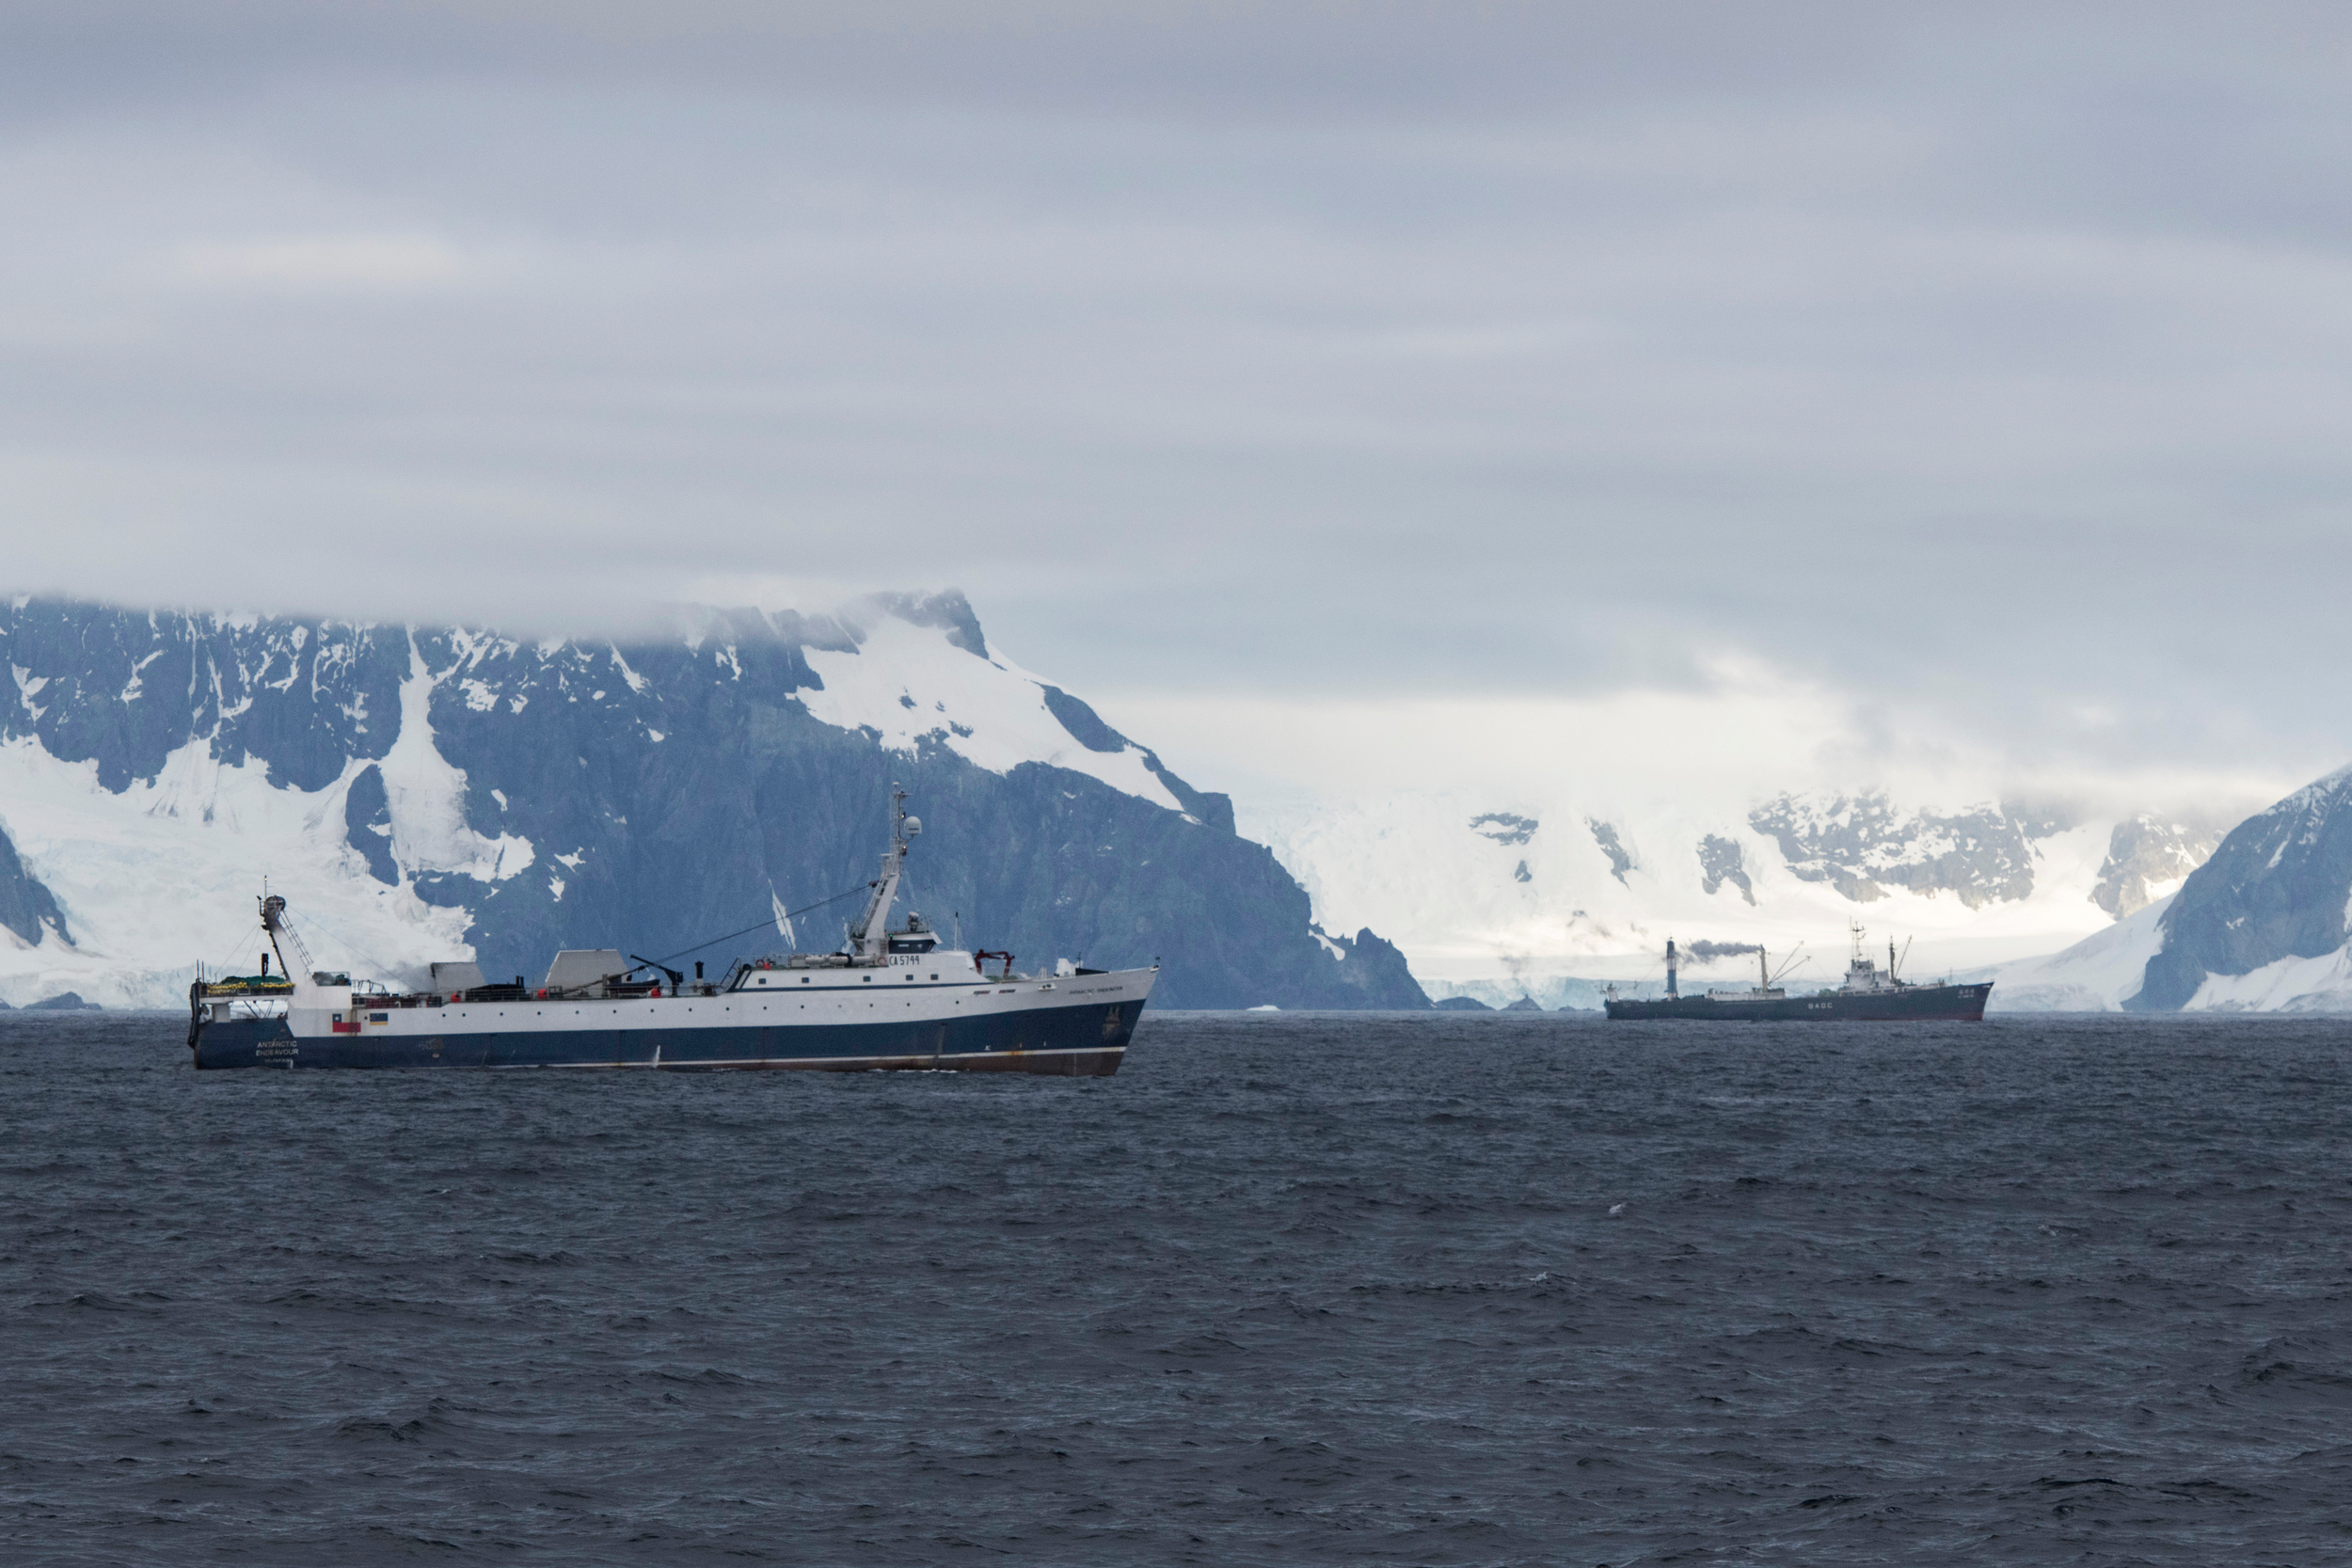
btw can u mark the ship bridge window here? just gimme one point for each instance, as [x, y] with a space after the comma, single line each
[868, 979]
[805, 979]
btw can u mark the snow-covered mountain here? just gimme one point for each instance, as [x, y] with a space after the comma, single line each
[2264, 925]
[433, 793]
[1547, 893]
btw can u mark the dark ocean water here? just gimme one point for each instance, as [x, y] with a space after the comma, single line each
[1289, 1290]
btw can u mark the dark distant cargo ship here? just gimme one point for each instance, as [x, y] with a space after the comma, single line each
[1867, 996]
[889, 998]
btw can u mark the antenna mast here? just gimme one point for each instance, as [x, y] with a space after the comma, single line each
[273, 921]
[870, 938]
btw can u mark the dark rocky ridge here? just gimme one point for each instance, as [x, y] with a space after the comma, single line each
[2275, 889]
[744, 797]
[1620, 859]
[1861, 845]
[25, 905]
[1721, 861]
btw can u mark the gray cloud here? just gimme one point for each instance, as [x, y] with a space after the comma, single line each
[1991, 366]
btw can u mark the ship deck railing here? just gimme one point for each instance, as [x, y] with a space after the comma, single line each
[596, 990]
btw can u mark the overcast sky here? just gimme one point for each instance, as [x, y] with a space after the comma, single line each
[1976, 373]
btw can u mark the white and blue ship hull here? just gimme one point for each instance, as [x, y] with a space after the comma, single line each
[1077, 1026]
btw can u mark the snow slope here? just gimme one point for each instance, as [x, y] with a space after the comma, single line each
[2097, 975]
[427, 796]
[2290, 985]
[906, 683]
[1543, 889]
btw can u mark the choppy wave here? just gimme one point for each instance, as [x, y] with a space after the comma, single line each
[1290, 1289]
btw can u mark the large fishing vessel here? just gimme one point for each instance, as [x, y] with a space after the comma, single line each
[1867, 994]
[889, 998]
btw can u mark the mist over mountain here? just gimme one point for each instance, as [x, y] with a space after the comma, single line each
[424, 793]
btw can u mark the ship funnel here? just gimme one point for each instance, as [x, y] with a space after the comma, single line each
[1673, 987]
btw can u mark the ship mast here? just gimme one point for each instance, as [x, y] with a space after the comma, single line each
[274, 924]
[869, 936]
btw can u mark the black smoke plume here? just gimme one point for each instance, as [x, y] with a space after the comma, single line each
[1708, 951]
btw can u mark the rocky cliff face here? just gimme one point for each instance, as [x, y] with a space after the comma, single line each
[423, 793]
[27, 909]
[2147, 858]
[1863, 846]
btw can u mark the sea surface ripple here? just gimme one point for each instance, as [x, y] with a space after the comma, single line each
[1291, 1289]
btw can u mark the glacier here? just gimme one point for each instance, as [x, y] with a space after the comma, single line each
[2097, 975]
[1551, 891]
[156, 877]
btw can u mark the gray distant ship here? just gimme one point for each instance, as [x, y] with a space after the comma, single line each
[1868, 994]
